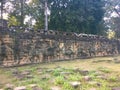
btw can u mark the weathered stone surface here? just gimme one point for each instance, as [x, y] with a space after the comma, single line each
[102, 77]
[94, 83]
[116, 60]
[116, 88]
[15, 71]
[29, 76]
[75, 84]
[9, 86]
[82, 72]
[37, 88]
[20, 88]
[33, 85]
[26, 47]
[55, 88]
[49, 70]
[47, 76]
[40, 72]
[92, 89]
[20, 77]
[25, 73]
[87, 78]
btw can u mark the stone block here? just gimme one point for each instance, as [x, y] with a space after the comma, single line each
[55, 88]
[75, 84]
[116, 88]
[87, 78]
[20, 88]
[9, 86]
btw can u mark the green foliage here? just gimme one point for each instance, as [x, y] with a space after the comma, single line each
[56, 73]
[76, 15]
[63, 80]
[82, 16]
[116, 26]
[112, 16]
[105, 70]
[93, 74]
[36, 11]
[113, 79]
[18, 11]
[59, 80]
[75, 77]
[67, 86]
[111, 34]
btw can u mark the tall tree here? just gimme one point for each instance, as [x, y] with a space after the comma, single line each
[18, 12]
[32, 9]
[36, 11]
[112, 16]
[1, 7]
[83, 16]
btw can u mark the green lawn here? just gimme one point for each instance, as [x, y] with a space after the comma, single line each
[103, 74]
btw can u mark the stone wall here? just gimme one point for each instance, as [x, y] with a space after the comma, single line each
[35, 47]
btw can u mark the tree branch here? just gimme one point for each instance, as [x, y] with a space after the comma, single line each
[117, 12]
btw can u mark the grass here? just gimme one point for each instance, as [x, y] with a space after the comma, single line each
[53, 74]
[59, 80]
[104, 69]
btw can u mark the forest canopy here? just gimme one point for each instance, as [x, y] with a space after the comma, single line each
[81, 16]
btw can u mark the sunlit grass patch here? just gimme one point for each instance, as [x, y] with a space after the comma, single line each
[104, 75]
[104, 69]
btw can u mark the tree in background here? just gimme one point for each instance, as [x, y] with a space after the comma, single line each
[18, 13]
[116, 26]
[2, 7]
[36, 11]
[82, 16]
[32, 9]
[13, 21]
[112, 16]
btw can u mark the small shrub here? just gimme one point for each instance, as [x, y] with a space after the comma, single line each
[105, 70]
[75, 77]
[59, 80]
[67, 86]
[56, 73]
[92, 74]
[113, 79]
[104, 88]
[32, 81]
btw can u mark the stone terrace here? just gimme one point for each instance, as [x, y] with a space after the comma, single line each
[39, 46]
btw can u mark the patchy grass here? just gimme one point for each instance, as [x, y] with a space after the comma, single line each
[103, 71]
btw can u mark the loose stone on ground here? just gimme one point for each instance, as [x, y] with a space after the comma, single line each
[9, 86]
[55, 88]
[26, 73]
[92, 89]
[29, 76]
[82, 72]
[116, 88]
[20, 88]
[37, 88]
[33, 85]
[75, 84]
[87, 78]
[102, 77]
[94, 83]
